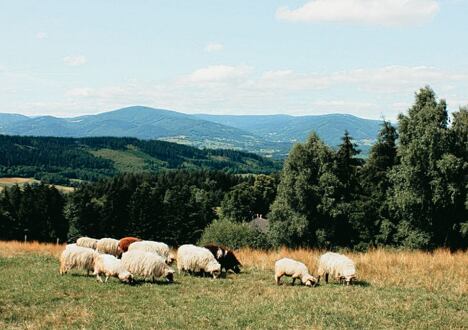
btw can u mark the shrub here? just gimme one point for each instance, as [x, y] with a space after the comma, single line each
[233, 235]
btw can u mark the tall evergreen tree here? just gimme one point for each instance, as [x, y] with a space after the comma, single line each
[377, 226]
[299, 215]
[349, 219]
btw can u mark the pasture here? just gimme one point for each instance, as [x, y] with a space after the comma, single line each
[9, 182]
[396, 289]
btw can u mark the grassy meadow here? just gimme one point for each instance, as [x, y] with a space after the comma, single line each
[9, 182]
[396, 290]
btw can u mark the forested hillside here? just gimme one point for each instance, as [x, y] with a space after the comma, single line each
[62, 160]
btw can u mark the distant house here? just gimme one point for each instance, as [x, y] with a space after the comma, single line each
[259, 223]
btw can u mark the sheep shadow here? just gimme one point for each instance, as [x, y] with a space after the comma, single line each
[80, 275]
[141, 282]
[364, 284]
[356, 283]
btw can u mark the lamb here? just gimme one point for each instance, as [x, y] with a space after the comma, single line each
[338, 265]
[79, 257]
[87, 242]
[196, 259]
[296, 269]
[125, 242]
[110, 266]
[147, 265]
[225, 257]
[161, 249]
[108, 246]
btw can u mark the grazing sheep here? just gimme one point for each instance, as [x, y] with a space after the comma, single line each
[110, 266]
[108, 246]
[296, 269]
[225, 257]
[79, 257]
[125, 242]
[337, 265]
[87, 242]
[196, 259]
[147, 265]
[161, 249]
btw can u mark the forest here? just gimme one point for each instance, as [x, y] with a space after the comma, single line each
[411, 193]
[68, 161]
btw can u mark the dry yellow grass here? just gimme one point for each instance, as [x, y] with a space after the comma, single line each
[9, 182]
[438, 270]
[15, 248]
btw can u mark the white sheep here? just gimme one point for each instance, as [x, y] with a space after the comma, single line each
[196, 259]
[147, 265]
[161, 249]
[338, 266]
[296, 269]
[75, 256]
[108, 246]
[108, 265]
[87, 242]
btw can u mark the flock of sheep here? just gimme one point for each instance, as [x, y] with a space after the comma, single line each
[130, 257]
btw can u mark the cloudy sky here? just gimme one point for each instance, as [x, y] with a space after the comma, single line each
[364, 57]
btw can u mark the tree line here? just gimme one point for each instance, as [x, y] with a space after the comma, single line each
[411, 192]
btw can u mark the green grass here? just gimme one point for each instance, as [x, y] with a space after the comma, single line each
[34, 295]
[130, 160]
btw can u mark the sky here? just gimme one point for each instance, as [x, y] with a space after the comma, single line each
[300, 57]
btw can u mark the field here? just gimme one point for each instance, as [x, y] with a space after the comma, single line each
[410, 290]
[9, 182]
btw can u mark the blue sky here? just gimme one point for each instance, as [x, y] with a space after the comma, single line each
[364, 57]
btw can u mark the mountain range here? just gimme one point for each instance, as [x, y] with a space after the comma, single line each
[269, 135]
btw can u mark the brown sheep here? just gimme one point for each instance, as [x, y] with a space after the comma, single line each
[125, 242]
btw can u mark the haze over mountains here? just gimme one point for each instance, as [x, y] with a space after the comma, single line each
[270, 135]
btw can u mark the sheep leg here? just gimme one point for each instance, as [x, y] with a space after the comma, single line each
[98, 277]
[278, 279]
[107, 277]
[326, 278]
[294, 281]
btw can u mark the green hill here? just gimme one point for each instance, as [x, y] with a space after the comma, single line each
[65, 160]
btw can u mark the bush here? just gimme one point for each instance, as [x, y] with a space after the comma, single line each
[233, 235]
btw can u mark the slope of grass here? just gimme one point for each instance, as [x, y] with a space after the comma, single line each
[9, 182]
[33, 295]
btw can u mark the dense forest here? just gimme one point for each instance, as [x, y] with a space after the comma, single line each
[411, 192]
[68, 160]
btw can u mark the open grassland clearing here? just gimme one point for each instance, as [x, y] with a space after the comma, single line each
[395, 289]
[9, 182]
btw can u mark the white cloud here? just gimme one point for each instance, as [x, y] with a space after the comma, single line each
[79, 92]
[387, 79]
[373, 12]
[41, 35]
[74, 60]
[214, 47]
[365, 92]
[217, 73]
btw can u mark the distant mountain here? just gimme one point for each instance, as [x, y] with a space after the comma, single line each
[286, 128]
[269, 135]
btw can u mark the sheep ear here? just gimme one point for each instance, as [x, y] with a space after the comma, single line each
[219, 253]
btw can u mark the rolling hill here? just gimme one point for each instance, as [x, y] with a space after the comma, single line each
[268, 135]
[63, 160]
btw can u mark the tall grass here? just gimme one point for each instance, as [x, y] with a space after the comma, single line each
[437, 270]
[15, 248]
